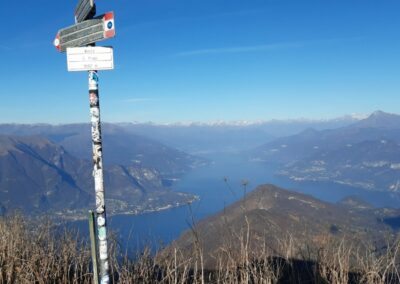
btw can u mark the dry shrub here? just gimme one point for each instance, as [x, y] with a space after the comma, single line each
[41, 254]
[379, 268]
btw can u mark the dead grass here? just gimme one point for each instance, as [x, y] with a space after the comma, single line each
[40, 254]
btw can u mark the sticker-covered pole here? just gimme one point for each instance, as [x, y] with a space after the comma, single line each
[98, 177]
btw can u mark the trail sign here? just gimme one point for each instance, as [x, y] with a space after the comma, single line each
[85, 9]
[76, 40]
[90, 58]
[86, 32]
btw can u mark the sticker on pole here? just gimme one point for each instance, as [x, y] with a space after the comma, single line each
[90, 58]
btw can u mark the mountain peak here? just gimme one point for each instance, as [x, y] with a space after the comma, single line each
[380, 113]
[270, 214]
[380, 119]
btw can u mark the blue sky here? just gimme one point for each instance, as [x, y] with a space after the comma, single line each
[184, 60]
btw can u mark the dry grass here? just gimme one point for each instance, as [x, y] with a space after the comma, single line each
[42, 255]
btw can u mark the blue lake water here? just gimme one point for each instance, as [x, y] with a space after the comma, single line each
[218, 185]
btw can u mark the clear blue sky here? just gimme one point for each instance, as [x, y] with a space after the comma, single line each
[182, 60]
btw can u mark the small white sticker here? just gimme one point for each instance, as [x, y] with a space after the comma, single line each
[101, 221]
[102, 233]
[103, 250]
[105, 279]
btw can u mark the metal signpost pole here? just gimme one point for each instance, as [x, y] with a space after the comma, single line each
[78, 41]
[98, 176]
[93, 246]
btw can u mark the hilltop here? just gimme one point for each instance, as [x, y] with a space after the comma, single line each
[269, 214]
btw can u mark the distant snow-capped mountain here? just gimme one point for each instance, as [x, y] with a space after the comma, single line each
[350, 118]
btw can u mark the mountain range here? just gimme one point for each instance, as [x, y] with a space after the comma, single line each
[196, 138]
[228, 137]
[119, 146]
[364, 154]
[47, 167]
[38, 175]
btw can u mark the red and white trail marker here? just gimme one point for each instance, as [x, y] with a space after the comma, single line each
[109, 27]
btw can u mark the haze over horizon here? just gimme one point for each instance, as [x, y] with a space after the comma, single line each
[181, 61]
[237, 122]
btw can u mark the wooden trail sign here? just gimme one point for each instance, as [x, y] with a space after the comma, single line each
[86, 32]
[85, 9]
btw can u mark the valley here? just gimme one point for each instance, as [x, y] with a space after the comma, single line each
[150, 183]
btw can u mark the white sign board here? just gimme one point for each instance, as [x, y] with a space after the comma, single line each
[90, 58]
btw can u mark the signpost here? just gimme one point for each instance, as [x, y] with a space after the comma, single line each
[86, 32]
[85, 9]
[90, 58]
[81, 57]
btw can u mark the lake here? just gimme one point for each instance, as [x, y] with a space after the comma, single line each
[218, 185]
